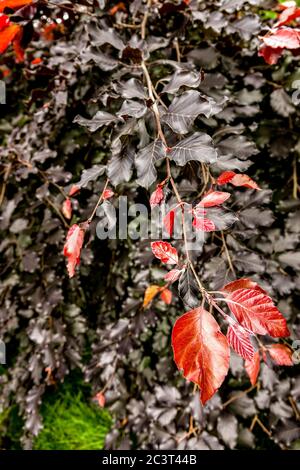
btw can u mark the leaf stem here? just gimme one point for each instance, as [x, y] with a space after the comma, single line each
[89, 220]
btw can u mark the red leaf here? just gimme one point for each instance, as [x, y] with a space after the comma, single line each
[157, 196]
[7, 36]
[236, 179]
[206, 225]
[225, 177]
[256, 312]
[239, 340]
[73, 247]
[67, 208]
[13, 4]
[281, 354]
[168, 221]
[18, 49]
[270, 54]
[36, 61]
[288, 15]
[166, 296]
[165, 252]
[243, 283]
[119, 6]
[100, 399]
[4, 22]
[252, 368]
[173, 275]
[286, 38]
[214, 198]
[244, 180]
[74, 189]
[108, 193]
[201, 350]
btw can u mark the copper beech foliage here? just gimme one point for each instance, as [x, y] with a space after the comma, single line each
[201, 349]
[164, 102]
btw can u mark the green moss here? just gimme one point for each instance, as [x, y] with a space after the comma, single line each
[71, 422]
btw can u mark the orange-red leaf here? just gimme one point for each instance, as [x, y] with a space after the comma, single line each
[100, 399]
[201, 351]
[214, 198]
[243, 283]
[252, 368]
[256, 311]
[225, 177]
[281, 354]
[67, 208]
[165, 252]
[244, 180]
[166, 296]
[150, 293]
[72, 248]
[13, 4]
[7, 35]
[74, 189]
[239, 340]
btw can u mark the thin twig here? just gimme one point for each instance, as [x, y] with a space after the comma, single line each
[89, 220]
[227, 254]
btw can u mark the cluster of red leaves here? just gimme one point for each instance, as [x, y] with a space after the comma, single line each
[202, 351]
[11, 33]
[282, 37]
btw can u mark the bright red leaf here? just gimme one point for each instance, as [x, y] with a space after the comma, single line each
[201, 351]
[214, 198]
[270, 54]
[285, 38]
[239, 340]
[206, 225]
[108, 193]
[157, 196]
[225, 177]
[243, 283]
[74, 189]
[288, 15]
[4, 21]
[281, 354]
[166, 296]
[165, 252]
[168, 221]
[256, 311]
[72, 248]
[252, 368]
[67, 208]
[173, 275]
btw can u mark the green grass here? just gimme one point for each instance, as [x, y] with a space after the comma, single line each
[72, 423]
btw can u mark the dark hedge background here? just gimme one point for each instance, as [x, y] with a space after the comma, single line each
[93, 323]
